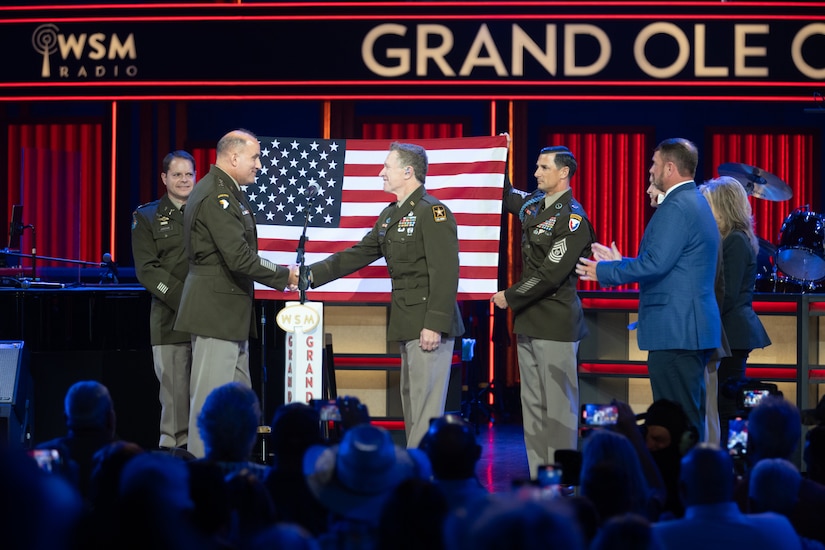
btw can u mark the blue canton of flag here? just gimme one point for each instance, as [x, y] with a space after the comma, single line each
[290, 167]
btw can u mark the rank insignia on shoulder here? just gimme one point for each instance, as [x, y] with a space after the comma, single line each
[575, 222]
[439, 213]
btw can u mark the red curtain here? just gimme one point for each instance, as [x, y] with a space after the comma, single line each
[204, 157]
[790, 156]
[411, 130]
[56, 172]
[610, 183]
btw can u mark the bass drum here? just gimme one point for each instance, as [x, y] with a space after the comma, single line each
[801, 251]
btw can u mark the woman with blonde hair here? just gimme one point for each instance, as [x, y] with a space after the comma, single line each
[732, 210]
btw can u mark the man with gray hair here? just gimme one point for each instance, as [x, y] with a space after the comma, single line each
[228, 425]
[221, 242]
[417, 235]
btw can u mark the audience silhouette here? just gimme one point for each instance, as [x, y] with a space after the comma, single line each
[356, 489]
[712, 519]
[228, 425]
[90, 418]
[451, 446]
[295, 428]
[774, 431]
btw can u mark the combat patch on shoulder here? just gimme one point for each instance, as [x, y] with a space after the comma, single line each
[223, 200]
[134, 220]
[575, 222]
[439, 213]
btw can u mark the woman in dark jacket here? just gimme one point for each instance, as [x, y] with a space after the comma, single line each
[744, 330]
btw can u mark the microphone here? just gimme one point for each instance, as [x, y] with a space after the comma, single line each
[313, 189]
[110, 274]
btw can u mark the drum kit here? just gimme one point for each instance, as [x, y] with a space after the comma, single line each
[797, 264]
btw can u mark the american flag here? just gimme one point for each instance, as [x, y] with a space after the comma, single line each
[466, 174]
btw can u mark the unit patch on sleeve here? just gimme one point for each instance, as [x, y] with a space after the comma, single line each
[439, 213]
[575, 222]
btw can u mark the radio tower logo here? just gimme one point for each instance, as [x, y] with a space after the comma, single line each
[44, 41]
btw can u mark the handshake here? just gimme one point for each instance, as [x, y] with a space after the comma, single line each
[299, 278]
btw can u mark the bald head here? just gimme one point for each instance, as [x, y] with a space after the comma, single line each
[239, 155]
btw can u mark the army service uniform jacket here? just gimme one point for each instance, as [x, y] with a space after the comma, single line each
[419, 241]
[222, 247]
[544, 301]
[161, 265]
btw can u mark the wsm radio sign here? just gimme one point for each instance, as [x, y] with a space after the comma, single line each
[85, 55]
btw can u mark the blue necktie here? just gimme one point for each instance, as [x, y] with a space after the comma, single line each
[531, 201]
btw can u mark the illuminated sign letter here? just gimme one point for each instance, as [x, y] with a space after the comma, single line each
[661, 28]
[570, 33]
[699, 66]
[401, 54]
[122, 50]
[796, 51]
[741, 51]
[484, 40]
[522, 41]
[437, 53]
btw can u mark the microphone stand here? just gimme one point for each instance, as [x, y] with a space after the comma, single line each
[264, 429]
[303, 283]
[303, 270]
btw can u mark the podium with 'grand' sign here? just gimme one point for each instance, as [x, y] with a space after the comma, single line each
[303, 372]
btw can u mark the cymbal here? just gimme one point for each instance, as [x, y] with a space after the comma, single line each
[757, 182]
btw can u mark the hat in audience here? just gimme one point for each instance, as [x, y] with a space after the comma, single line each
[354, 478]
[668, 414]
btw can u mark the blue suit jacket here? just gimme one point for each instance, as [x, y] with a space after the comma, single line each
[675, 269]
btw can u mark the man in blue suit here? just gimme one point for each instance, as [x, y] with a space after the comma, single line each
[679, 322]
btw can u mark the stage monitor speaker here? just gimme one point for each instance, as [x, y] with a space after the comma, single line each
[16, 394]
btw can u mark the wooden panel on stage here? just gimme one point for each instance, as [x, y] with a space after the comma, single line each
[357, 329]
[611, 364]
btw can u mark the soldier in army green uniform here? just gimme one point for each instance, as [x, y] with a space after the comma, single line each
[548, 318]
[222, 247]
[161, 267]
[417, 236]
